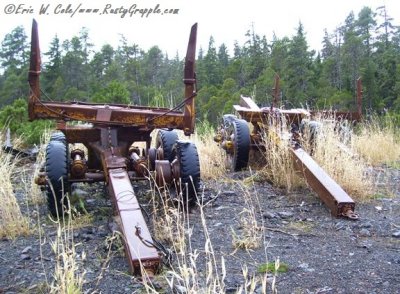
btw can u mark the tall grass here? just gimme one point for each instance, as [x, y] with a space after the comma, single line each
[12, 222]
[278, 168]
[172, 226]
[199, 268]
[335, 155]
[378, 141]
[34, 192]
[212, 158]
[252, 228]
[68, 273]
[331, 149]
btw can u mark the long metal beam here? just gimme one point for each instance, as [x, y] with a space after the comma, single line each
[139, 248]
[110, 115]
[141, 253]
[338, 201]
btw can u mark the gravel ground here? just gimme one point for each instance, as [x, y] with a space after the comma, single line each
[323, 254]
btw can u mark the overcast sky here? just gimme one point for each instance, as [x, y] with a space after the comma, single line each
[225, 20]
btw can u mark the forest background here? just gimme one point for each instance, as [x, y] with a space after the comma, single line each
[366, 45]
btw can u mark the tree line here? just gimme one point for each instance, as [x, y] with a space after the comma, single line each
[366, 45]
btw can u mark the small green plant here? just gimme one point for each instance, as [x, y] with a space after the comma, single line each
[272, 267]
[15, 117]
[301, 226]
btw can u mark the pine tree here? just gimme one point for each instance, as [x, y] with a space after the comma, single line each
[298, 72]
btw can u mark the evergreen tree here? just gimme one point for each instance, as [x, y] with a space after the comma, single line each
[212, 65]
[351, 54]
[13, 54]
[53, 67]
[298, 72]
[255, 54]
[74, 73]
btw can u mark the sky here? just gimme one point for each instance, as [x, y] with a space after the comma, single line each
[227, 21]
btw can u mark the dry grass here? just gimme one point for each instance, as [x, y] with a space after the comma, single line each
[378, 143]
[34, 192]
[201, 269]
[68, 276]
[251, 282]
[252, 232]
[330, 149]
[212, 158]
[341, 162]
[12, 222]
[172, 226]
[278, 167]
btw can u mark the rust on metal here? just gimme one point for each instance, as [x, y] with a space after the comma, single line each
[108, 135]
[34, 71]
[275, 92]
[78, 166]
[359, 98]
[189, 80]
[250, 112]
[146, 118]
[109, 114]
[163, 172]
[334, 197]
[266, 120]
[140, 251]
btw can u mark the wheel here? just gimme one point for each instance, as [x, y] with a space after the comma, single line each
[310, 131]
[166, 140]
[189, 169]
[58, 136]
[57, 173]
[238, 133]
[227, 119]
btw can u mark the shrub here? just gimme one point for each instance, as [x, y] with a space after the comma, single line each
[15, 117]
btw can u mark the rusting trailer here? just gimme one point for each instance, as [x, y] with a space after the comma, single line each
[109, 132]
[236, 138]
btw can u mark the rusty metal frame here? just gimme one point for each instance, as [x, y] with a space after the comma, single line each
[114, 128]
[146, 118]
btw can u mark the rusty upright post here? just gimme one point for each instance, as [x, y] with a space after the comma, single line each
[34, 71]
[189, 79]
[275, 93]
[359, 98]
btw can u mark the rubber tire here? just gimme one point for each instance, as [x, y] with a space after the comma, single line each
[167, 139]
[58, 136]
[189, 166]
[241, 132]
[227, 119]
[57, 174]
